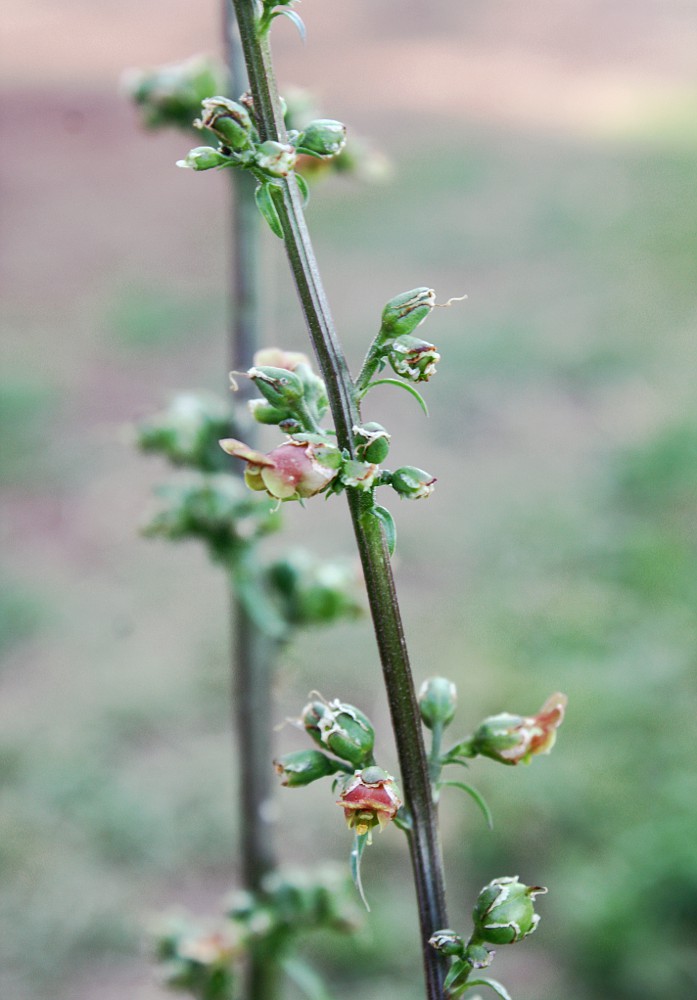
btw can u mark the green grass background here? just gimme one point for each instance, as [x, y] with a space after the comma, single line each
[559, 550]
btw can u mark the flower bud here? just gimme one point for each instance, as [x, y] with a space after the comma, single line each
[204, 158]
[264, 413]
[275, 158]
[229, 121]
[412, 483]
[276, 357]
[447, 942]
[405, 312]
[373, 442]
[279, 386]
[302, 767]
[360, 475]
[369, 798]
[413, 358]
[504, 912]
[437, 702]
[342, 728]
[512, 739]
[323, 138]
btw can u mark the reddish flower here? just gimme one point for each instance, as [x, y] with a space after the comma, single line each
[293, 471]
[369, 798]
[511, 739]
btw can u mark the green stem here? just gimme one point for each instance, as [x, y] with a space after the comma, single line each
[370, 367]
[435, 765]
[254, 653]
[423, 836]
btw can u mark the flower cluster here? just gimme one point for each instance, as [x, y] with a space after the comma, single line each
[309, 462]
[240, 145]
[206, 958]
[368, 795]
[171, 95]
[503, 914]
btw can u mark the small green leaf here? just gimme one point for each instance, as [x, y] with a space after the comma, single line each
[477, 796]
[451, 987]
[295, 18]
[494, 985]
[359, 845]
[262, 197]
[383, 515]
[403, 385]
[304, 189]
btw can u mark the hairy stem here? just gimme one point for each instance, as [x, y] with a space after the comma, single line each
[423, 835]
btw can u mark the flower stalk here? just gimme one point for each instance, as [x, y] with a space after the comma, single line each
[423, 833]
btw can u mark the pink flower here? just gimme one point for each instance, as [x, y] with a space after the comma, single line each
[293, 471]
[511, 739]
[369, 798]
[276, 357]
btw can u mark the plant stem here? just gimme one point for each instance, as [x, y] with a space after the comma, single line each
[253, 653]
[423, 835]
[370, 366]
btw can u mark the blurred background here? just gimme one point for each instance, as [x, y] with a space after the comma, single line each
[544, 162]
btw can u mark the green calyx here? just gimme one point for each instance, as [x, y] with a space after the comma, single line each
[302, 767]
[341, 728]
[437, 702]
[504, 912]
[405, 312]
[322, 138]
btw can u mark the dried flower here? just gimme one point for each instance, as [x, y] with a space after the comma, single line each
[512, 739]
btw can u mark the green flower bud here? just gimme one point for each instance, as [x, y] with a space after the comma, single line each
[323, 138]
[360, 475]
[373, 442]
[504, 912]
[437, 702]
[302, 767]
[275, 158]
[412, 483]
[344, 729]
[447, 942]
[229, 121]
[413, 358]
[405, 312]
[280, 387]
[264, 413]
[204, 158]
[315, 391]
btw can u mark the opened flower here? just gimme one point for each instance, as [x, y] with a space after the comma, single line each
[370, 798]
[293, 471]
